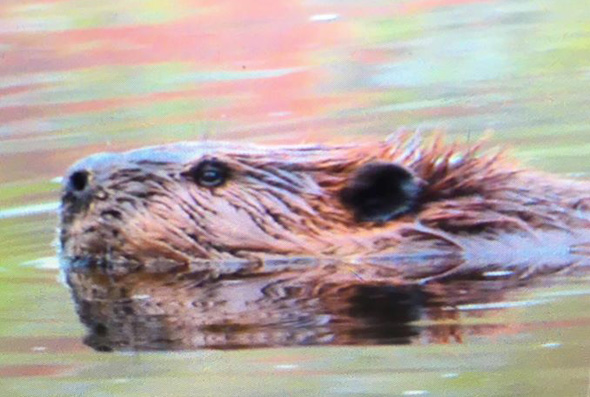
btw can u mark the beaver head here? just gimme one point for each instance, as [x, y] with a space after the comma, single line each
[180, 203]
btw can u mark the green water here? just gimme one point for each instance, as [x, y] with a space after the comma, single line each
[77, 77]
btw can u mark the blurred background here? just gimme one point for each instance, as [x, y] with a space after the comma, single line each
[80, 76]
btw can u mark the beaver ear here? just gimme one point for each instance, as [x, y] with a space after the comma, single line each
[379, 192]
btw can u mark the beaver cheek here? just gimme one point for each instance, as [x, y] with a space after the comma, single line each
[237, 230]
[145, 238]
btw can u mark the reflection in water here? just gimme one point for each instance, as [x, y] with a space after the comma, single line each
[193, 309]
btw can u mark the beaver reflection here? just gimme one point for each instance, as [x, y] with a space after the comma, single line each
[186, 311]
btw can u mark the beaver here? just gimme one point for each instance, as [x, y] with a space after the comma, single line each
[216, 237]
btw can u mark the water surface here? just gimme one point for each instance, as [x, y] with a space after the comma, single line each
[77, 77]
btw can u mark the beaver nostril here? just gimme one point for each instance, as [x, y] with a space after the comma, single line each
[79, 180]
[101, 329]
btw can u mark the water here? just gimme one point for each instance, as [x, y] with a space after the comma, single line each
[81, 77]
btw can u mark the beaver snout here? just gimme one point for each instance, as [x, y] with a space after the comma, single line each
[84, 179]
[78, 182]
[78, 191]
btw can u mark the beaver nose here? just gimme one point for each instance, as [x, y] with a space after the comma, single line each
[78, 187]
[84, 180]
[78, 181]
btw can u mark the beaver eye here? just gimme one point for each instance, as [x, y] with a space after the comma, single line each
[210, 173]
